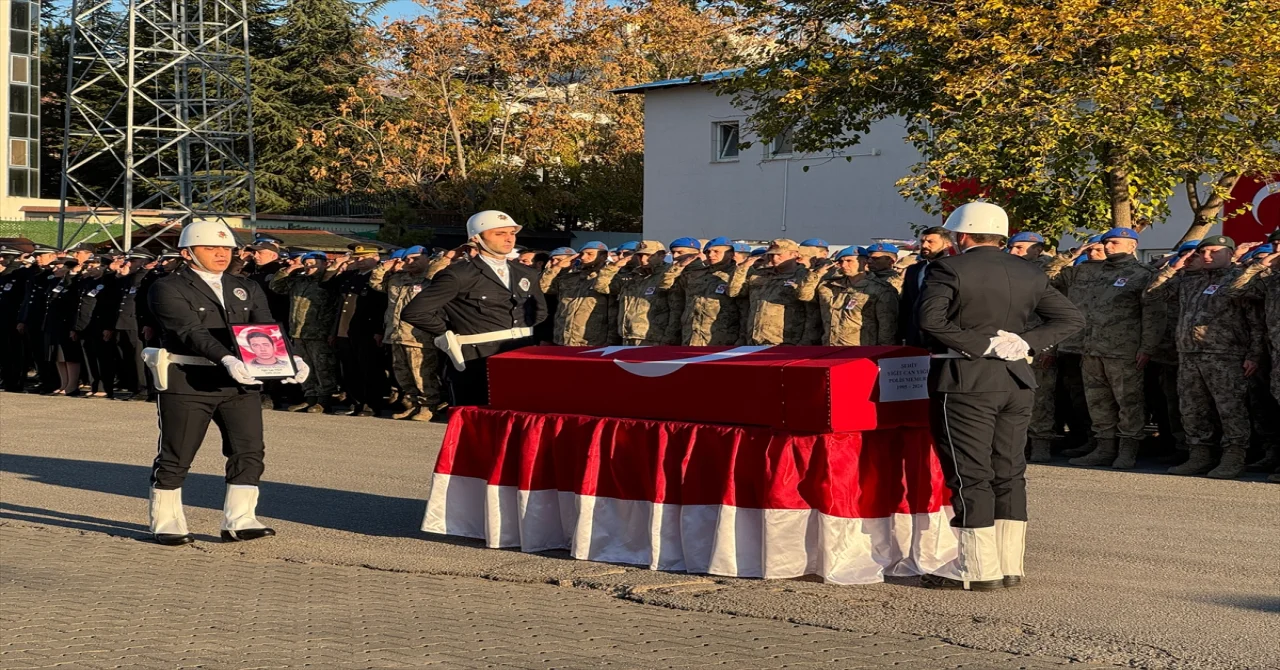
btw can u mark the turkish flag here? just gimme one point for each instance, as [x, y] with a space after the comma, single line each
[803, 389]
[1262, 218]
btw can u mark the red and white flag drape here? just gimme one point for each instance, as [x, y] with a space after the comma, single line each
[723, 500]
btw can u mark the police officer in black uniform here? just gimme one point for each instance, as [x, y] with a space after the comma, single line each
[358, 331]
[479, 307]
[976, 311]
[200, 379]
[17, 268]
[122, 360]
[40, 284]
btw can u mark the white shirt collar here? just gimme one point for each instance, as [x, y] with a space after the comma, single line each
[214, 280]
[500, 268]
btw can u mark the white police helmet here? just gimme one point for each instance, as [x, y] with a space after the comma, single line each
[978, 218]
[206, 233]
[489, 220]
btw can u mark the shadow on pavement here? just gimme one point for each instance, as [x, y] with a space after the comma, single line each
[350, 511]
[48, 517]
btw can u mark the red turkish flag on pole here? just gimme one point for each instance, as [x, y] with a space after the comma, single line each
[1261, 218]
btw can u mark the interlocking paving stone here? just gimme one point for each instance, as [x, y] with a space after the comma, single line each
[69, 599]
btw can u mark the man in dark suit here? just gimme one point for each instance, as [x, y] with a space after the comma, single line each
[479, 307]
[975, 310]
[200, 379]
[935, 243]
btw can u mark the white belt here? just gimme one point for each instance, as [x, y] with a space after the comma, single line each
[496, 336]
[189, 360]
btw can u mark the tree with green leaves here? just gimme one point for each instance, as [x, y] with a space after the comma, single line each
[1074, 114]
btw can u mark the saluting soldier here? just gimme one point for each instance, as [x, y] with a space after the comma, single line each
[702, 311]
[479, 307]
[40, 285]
[311, 317]
[201, 380]
[358, 329]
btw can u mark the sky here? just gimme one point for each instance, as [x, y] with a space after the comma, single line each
[401, 9]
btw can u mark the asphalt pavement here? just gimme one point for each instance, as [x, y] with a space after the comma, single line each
[1133, 569]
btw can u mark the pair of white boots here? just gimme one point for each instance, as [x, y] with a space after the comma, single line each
[239, 520]
[988, 554]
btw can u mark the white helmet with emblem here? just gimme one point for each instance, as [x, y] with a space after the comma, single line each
[978, 218]
[206, 233]
[489, 220]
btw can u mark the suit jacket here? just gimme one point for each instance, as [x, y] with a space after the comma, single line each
[908, 323]
[193, 323]
[967, 298]
[469, 299]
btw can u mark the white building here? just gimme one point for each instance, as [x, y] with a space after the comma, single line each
[19, 107]
[698, 183]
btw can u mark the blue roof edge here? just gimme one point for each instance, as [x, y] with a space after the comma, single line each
[682, 81]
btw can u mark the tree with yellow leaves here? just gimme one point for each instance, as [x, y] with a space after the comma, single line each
[505, 104]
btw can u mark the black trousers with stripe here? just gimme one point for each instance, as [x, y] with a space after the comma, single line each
[980, 440]
[184, 420]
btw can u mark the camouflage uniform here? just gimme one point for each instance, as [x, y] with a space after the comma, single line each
[1260, 283]
[585, 317]
[891, 277]
[641, 295]
[413, 358]
[311, 314]
[775, 313]
[855, 311]
[1216, 334]
[1122, 321]
[702, 313]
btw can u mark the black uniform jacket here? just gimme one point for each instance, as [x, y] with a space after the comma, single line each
[908, 323]
[967, 298]
[469, 299]
[13, 290]
[193, 323]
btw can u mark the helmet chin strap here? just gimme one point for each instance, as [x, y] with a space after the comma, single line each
[197, 264]
[480, 241]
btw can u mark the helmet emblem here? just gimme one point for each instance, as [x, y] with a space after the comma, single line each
[502, 217]
[222, 234]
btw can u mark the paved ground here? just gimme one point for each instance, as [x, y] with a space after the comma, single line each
[1129, 569]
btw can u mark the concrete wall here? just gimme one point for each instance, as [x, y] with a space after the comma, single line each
[688, 192]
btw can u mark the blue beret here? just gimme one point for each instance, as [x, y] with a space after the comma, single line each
[1265, 249]
[415, 249]
[718, 242]
[1188, 245]
[563, 251]
[758, 252]
[741, 248]
[863, 251]
[1027, 236]
[687, 243]
[847, 252]
[882, 248]
[318, 255]
[594, 245]
[630, 245]
[1080, 260]
[397, 254]
[1120, 233]
[815, 242]
[1093, 240]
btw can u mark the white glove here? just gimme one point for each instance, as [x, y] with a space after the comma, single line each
[1011, 346]
[238, 371]
[301, 375]
[991, 348]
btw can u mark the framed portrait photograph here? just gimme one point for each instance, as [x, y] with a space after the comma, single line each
[264, 350]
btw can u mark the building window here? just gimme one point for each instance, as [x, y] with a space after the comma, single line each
[18, 184]
[20, 70]
[726, 141]
[18, 153]
[781, 146]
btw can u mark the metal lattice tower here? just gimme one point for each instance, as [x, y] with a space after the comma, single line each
[159, 113]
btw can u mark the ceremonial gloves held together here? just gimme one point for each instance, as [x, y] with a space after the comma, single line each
[1008, 346]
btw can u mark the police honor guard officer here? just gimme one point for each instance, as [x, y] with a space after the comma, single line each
[974, 311]
[200, 379]
[479, 307]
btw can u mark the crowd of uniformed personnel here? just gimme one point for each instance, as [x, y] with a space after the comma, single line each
[1184, 343]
